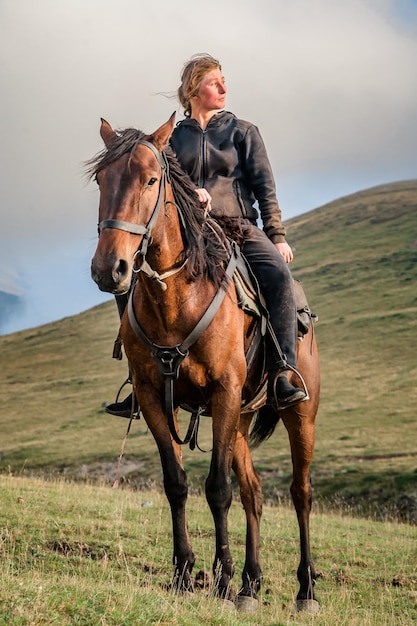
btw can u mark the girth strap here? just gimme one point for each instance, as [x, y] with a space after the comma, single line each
[169, 358]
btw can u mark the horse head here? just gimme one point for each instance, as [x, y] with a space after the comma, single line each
[131, 175]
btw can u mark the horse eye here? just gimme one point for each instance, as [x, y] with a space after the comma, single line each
[151, 181]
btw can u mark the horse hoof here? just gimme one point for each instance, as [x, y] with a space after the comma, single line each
[246, 604]
[308, 606]
[228, 605]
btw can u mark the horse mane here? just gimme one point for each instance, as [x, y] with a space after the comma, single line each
[205, 245]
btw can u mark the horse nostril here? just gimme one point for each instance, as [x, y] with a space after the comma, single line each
[120, 271]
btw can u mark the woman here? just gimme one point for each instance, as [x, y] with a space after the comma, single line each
[227, 160]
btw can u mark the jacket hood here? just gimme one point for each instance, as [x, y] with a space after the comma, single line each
[217, 120]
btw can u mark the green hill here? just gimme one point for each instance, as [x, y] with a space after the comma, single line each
[357, 260]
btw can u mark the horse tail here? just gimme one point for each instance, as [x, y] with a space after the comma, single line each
[264, 425]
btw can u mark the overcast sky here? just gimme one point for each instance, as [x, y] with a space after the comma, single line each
[332, 85]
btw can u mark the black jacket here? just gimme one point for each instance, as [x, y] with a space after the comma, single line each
[229, 159]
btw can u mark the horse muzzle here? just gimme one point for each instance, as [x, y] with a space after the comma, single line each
[111, 275]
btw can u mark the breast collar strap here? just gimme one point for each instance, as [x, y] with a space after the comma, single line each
[169, 358]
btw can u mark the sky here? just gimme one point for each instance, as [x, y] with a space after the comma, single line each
[331, 84]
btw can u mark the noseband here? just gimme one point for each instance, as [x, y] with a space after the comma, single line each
[146, 231]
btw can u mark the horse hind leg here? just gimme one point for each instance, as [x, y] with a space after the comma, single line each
[301, 432]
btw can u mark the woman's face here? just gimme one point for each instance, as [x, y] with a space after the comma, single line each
[212, 92]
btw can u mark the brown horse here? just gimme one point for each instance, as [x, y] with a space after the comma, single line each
[189, 348]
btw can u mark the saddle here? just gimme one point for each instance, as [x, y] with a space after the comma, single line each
[252, 302]
[249, 295]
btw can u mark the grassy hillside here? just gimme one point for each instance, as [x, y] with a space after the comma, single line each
[357, 260]
[81, 554]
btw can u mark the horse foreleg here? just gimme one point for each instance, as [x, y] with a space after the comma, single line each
[301, 432]
[251, 497]
[176, 490]
[219, 489]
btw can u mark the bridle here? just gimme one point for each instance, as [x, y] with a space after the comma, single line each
[146, 231]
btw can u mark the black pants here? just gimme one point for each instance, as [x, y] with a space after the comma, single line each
[276, 285]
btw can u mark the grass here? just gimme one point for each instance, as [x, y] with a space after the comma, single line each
[88, 554]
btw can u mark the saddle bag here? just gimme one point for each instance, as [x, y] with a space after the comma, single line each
[304, 314]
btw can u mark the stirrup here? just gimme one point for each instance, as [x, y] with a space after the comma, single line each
[297, 373]
[299, 394]
[128, 407]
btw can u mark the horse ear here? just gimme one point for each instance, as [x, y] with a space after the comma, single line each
[106, 132]
[161, 136]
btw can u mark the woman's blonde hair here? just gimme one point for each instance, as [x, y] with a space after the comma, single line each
[192, 74]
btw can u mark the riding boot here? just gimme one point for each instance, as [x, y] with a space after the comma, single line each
[281, 351]
[121, 302]
[129, 406]
[124, 408]
[277, 287]
[281, 394]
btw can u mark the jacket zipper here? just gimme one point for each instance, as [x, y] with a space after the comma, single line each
[202, 180]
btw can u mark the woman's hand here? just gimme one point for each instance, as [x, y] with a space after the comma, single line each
[204, 198]
[285, 251]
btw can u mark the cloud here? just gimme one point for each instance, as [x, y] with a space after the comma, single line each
[331, 85]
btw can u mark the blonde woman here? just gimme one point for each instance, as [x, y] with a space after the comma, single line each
[227, 160]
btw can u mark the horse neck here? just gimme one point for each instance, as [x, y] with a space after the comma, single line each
[164, 254]
[167, 244]
[181, 303]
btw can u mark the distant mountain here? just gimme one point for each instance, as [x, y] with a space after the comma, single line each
[10, 305]
[11, 299]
